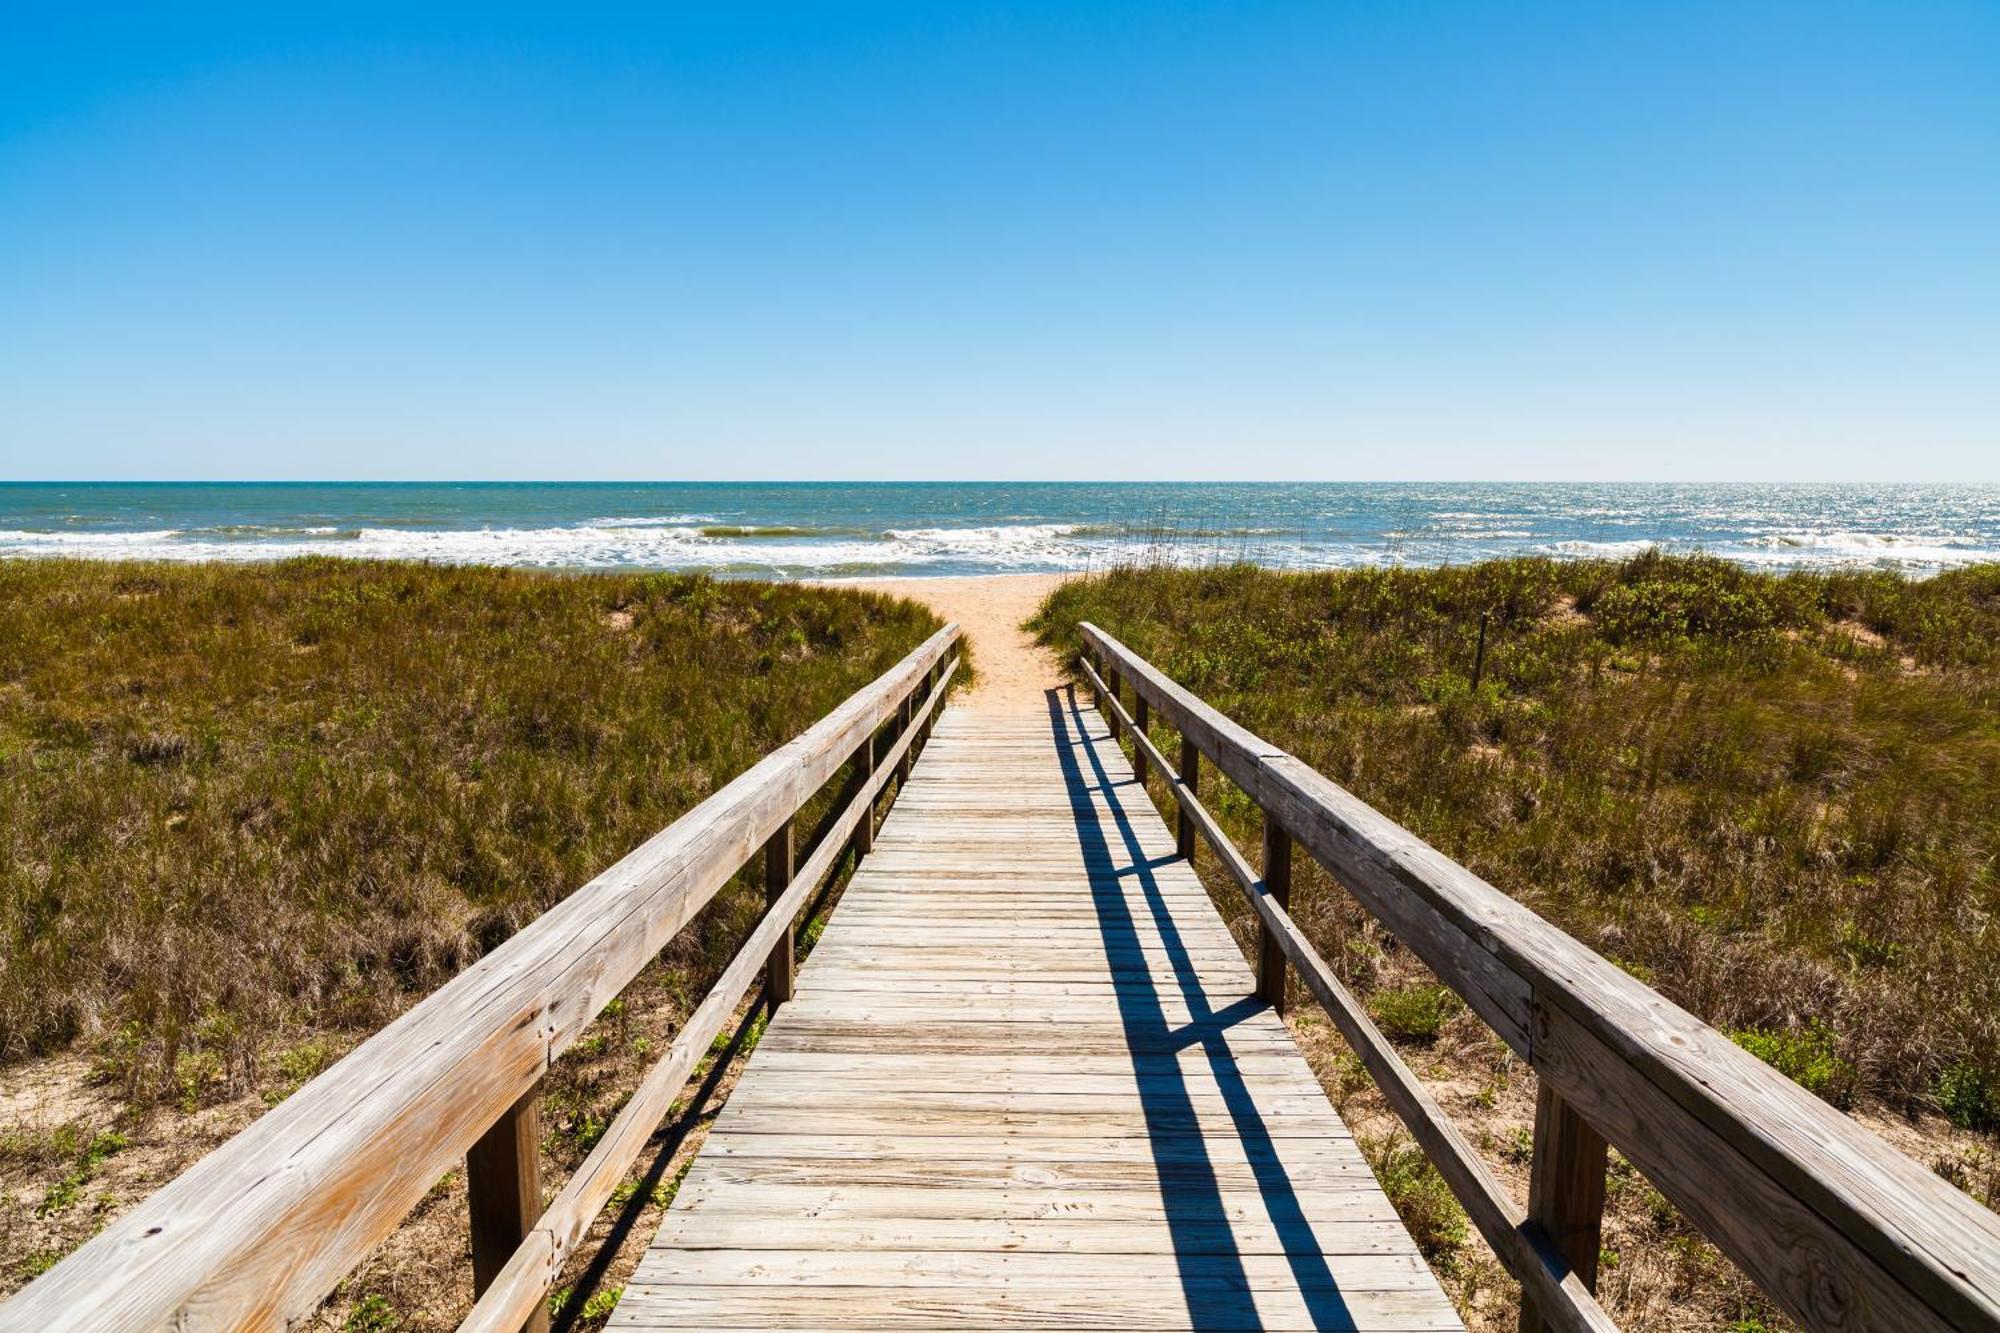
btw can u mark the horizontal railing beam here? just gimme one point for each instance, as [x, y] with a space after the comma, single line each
[519, 1289]
[256, 1233]
[1832, 1223]
[1523, 1250]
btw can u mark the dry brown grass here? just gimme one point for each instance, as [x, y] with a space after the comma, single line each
[248, 814]
[1706, 774]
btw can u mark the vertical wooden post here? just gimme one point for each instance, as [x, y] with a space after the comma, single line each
[1566, 1190]
[1278, 879]
[503, 1182]
[864, 833]
[1111, 684]
[1096, 695]
[909, 711]
[780, 855]
[1184, 822]
[1140, 717]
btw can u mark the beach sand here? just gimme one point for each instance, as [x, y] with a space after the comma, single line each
[1013, 668]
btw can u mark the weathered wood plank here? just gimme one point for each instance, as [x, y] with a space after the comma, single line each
[1025, 1082]
[255, 1234]
[1834, 1224]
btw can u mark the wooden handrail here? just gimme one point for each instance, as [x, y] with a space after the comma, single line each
[519, 1289]
[255, 1234]
[1832, 1223]
[1524, 1250]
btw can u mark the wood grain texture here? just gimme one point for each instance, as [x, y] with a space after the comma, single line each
[1565, 1192]
[1549, 1283]
[255, 1234]
[780, 859]
[1832, 1223]
[522, 1286]
[503, 1179]
[1025, 1082]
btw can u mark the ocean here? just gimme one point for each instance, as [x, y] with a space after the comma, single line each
[838, 529]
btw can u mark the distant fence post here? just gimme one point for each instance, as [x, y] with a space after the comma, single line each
[1566, 1191]
[864, 832]
[909, 751]
[1140, 716]
[1184, 818]
[503, 1182]
[780, 855]
[1277, 879]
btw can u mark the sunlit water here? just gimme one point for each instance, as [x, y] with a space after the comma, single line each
[823, 530]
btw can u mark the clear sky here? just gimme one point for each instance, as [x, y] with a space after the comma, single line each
[1164, 240]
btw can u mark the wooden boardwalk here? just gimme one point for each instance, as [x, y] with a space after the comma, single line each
[1024, 1083]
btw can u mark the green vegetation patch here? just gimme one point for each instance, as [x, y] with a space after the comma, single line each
[1763, 794]
[1415, 1013]
[237, 801]
[1806, 1055]
[1421, 1197]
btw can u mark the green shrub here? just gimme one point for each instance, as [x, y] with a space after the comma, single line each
[241, 800]
[1967, 1097]
[1422, 1199]
[372, 1314]
[1806, 1055]
[1700, 770]
[69, 1188]
[1415, 1013]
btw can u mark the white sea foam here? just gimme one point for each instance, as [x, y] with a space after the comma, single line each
[1586, 550]
[656, 521]
[1889, 550]
[76, 543]
[601, 545]
[773, 545]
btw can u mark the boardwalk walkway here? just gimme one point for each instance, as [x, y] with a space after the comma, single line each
[1023, 1085]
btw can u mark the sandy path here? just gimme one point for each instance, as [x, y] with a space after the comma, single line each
[1013, 668]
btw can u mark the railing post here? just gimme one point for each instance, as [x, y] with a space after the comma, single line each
[1183, 821]
[780, 855]
[1096, 695]
[1566, 1191]
[503, 1182]
[1110, 715]
[1278, 879]
[909, 710]
[864, 832]
[1140, 717]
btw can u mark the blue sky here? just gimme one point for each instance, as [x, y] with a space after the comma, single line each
[1689, 241]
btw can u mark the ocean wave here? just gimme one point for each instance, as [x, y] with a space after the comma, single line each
[653, 521]
[1861, 541]
[596, 545]
[1588, 550]
[1879, 550]
[10, 538]
[821, 549]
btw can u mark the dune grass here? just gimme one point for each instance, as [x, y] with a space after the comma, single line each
[1775, 798]
[237, 801]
